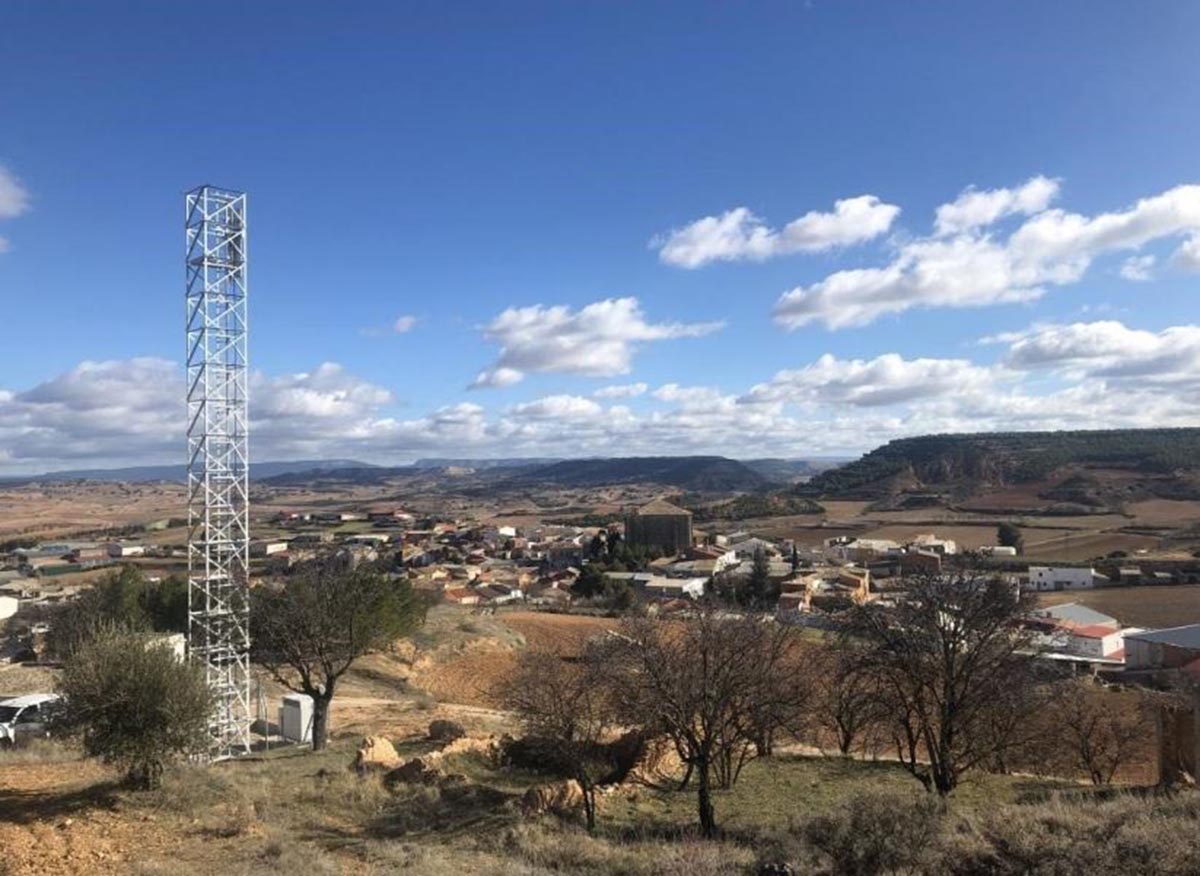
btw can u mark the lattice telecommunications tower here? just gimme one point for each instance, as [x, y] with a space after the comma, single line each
[217, 470]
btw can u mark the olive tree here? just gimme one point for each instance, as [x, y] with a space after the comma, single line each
[123, 598]
[134, 703]
[308, 631]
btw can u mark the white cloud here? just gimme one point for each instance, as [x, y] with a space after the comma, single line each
[974, 209]
[1110, 351]
[1139, 269]
[740, 235]
[404, 324]
[885, 380]
[621, 390]
[327, 394]
[495, 378]
[130, 412]
[1187, 257]
[598, 340]
[557, 406]
[976, 269]
[14, 198]
[96, 411]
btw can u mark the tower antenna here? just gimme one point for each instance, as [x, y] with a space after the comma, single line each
[218, 460]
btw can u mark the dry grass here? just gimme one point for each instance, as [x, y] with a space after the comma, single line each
[298, 812]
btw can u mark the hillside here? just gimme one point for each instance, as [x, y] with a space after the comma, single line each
[790, 471]
[693, 473]
[1086, 469]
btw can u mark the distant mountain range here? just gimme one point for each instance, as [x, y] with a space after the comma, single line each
[177, 473]
[481, 464]
[694, 473]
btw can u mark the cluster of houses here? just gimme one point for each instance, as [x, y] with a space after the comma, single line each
[469, 563]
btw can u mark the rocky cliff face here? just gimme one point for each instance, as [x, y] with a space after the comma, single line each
[968, 462]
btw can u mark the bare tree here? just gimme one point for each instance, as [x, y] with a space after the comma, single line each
[850, 699]
[568, 715]
[309, 631]
[695, 681]
[948, 656]
[1101, 732]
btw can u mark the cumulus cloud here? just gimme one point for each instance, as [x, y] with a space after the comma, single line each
[1139, 269]
[598, 340]
[974, 209]
[1111, 351]
[885, 380]
[974, 268]
[96, 411]
[553, 407]
[621, 390]
[1110, 374]
[14, 200]
[326, 394]
[404, 324]
[1187, 257]
[739, 235]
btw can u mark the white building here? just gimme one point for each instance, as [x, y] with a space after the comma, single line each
[119, 549]
[267, 548]
[1046, 578]
[675, 588]
[930, 542]
[1099, 641]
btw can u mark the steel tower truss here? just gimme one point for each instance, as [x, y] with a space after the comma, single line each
[217, 470]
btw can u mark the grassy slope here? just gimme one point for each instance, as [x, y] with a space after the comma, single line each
[294, 811]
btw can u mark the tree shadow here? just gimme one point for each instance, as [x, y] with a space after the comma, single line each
[27, 807]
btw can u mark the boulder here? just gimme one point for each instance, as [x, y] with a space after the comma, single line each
[656, 763]
[558, 798]
[375, 753]
[413, 772]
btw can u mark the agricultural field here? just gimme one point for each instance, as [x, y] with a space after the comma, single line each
[57, 509]
[1151, 607]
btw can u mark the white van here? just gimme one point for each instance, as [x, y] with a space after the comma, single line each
[24, 718]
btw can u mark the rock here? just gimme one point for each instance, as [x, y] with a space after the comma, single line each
[413, 772]
[442, 730]
[657, 763]
[559, 798]
[375, 753]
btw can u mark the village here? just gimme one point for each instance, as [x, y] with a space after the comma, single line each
[653, 560]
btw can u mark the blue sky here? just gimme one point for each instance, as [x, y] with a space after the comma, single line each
[451, 162]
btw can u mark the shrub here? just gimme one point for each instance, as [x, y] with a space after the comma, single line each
[877, 833]
[446, 731]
